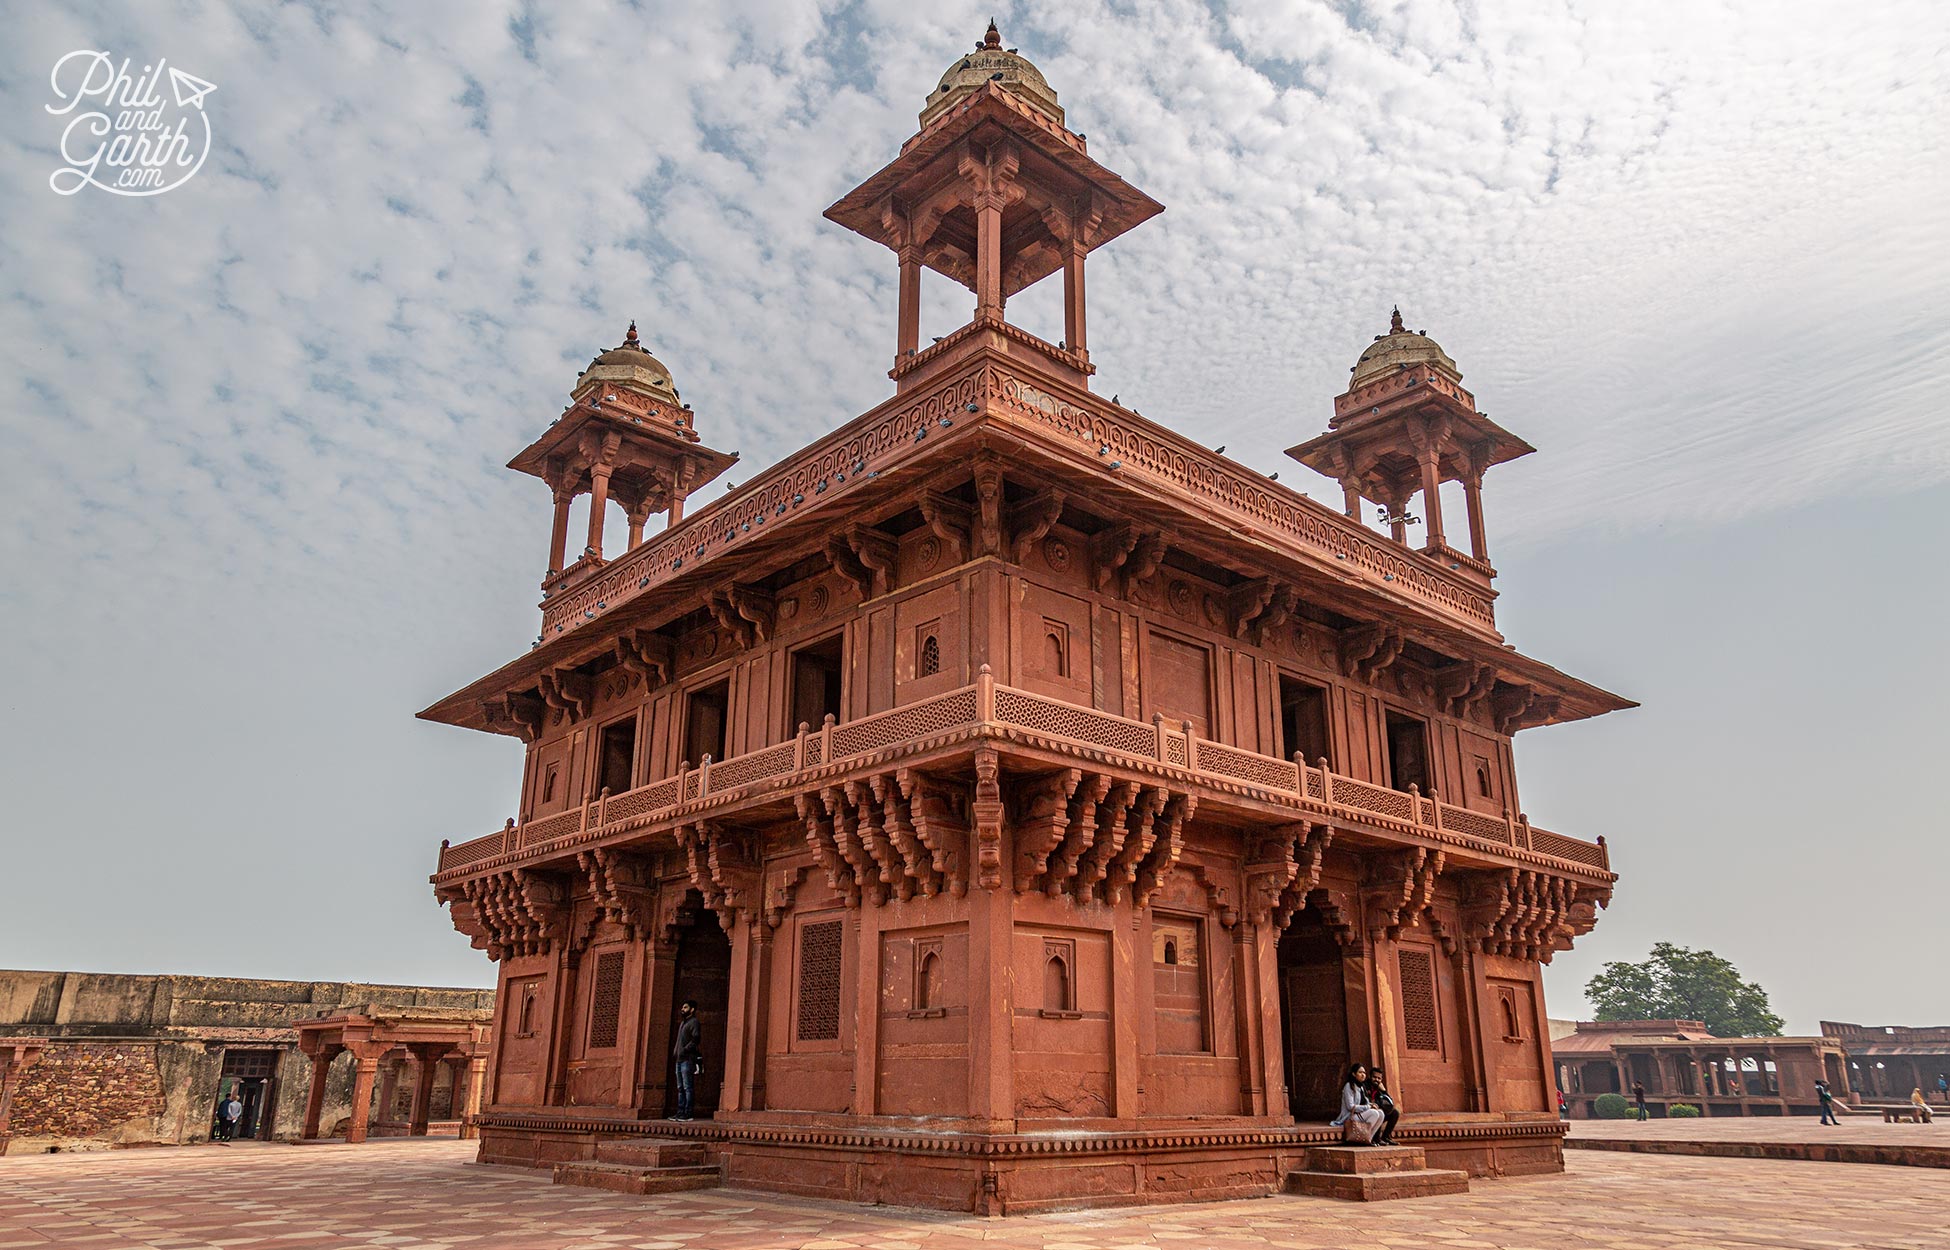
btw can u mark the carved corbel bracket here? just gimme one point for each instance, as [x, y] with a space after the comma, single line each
[721, 869]
[1462, 686]
[745, 612]
[1367, 651]
[1259, 607]
[1338, 914]
[940, 824]
[567, 690]
[780, 886]
[865, 557]
[623, 887]
[523, 712]
[987, 810]
[1123, 556]
[949, 518]
[825, 848]
[1030, 520]
[989, 495]
[1040, 819]
[1520, 707]
[649, 654]
[1401, 888]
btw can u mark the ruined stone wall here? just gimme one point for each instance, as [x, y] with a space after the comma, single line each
[138, 1060]
[89, 1090]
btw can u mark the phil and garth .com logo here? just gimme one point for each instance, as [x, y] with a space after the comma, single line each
[132, 140]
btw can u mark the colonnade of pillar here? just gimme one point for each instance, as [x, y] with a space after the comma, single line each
[372, 1069]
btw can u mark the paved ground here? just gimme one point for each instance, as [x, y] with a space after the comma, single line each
[1869, 1130]
[427, 1196]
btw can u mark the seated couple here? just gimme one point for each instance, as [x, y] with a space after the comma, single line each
[1368, 1113]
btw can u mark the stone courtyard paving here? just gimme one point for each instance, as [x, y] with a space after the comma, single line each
[427, 1195]
[1856, 1128]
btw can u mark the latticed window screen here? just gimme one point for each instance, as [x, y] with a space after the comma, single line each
[607, 1000]
[930, 657]
[1418, 1001]
[819, 982]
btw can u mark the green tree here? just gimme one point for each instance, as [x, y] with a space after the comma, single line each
[1675, 983]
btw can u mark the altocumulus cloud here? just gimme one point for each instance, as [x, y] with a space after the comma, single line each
[1694, 252]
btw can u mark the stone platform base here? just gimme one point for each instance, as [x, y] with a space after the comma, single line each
[1891, 1154]
[643, 1166]
[997, 1174]
[1372, 1174]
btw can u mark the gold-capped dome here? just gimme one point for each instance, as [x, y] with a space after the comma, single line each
[1400, 349]
[991, 62]
[630, 364]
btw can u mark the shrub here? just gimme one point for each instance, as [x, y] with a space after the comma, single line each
[1683, 1111]
[1613, 1107]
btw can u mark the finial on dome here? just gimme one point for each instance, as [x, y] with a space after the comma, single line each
[631, 336]
[1395, 323]
[994, 37]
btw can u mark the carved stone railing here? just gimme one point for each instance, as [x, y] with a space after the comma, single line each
[1145, 449]
[899, 430]
[988, 710]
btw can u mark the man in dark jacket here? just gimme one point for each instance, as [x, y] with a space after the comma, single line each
[688, 1052]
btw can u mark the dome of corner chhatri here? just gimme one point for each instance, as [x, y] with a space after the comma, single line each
[991, 62]
[630, 363]
[1398, 349]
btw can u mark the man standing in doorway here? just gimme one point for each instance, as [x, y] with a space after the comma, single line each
[688, 1051]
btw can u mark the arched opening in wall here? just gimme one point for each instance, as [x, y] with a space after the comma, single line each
[1056, 649]
[1056, 984]
[703, 975]
[927, 981]
[1171, 951]
[1313, 1013]
[930, 662]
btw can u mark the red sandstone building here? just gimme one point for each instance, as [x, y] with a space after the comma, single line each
[1043, 808]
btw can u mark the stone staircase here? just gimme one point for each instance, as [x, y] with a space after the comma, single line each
[643, 1165]
[1372, 1174]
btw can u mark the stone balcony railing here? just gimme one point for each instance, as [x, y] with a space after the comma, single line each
[1017, 718]
[1146, 455]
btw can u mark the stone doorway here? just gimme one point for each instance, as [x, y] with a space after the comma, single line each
[252, 1076]
[703, 973]
[1313, 1011]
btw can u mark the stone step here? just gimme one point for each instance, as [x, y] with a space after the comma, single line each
[1364, 1160]
[651, 1152]
[624, 1178]
[1372, 1174]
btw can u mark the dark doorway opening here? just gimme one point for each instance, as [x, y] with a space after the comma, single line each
[703, 975]
[618, 770]
[1313, 1007]
[704, 722]
[818, 683]
[1408, 752]
[252, 1076]
[1303, 721]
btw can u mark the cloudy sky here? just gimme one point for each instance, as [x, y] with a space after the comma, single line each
[254, 517]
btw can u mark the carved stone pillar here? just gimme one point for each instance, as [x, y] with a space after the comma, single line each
[321, 1070]
[362, 1081]
[469, 1080]
[908, 335]
[424, 1066]
[388, 1087]
[558, 540]
[1479, 543]
[988, 255]
[598, 507]
[1073, 321]
[1432, 495]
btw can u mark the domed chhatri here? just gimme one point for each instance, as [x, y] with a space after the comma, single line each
[991, 62]
[629, 364]
[1399, 349]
